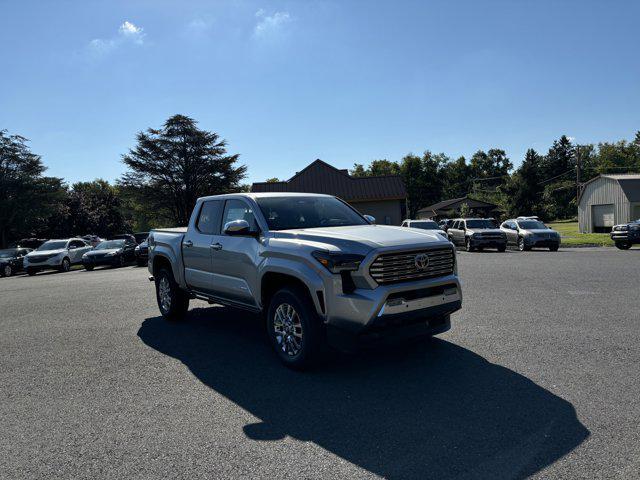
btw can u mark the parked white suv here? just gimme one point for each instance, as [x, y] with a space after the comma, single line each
[56, 255]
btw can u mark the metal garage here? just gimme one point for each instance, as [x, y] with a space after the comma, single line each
[607, 200]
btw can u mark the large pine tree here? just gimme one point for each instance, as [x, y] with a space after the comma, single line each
[524, 189]
[171, 167]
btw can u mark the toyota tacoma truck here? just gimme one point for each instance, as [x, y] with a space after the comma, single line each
[318, 271]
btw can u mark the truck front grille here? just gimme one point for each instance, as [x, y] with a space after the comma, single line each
[405, 266]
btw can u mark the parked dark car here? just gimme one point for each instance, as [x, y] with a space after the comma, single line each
[626, 235]
[141, 237]
[142, 253]
[110, 252]
[11, 260]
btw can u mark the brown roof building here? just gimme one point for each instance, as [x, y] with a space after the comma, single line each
[451, 208]
[383, 197]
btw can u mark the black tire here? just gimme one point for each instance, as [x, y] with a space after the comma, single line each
[311, 342]
[65, 266]
[554, 248]
[523, 247]
[623, 245]
[467, 244]
[7, 271]
[119, 262]
[502, 248]
[31, 271]
[88, 267]
[176, 305]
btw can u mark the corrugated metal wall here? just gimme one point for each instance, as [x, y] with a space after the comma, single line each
[602, 191]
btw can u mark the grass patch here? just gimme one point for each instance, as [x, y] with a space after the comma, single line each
[571, 235]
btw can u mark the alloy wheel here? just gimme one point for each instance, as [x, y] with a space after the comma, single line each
[7, 271]
[66, 266]
[287, 328]
[164, 292]
[521, 244]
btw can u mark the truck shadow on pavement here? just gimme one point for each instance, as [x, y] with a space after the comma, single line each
[428, 410]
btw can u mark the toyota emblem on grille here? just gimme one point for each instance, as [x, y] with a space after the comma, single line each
[422, 261]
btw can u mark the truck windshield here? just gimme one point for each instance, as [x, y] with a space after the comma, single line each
[483, 223]
[287, 213]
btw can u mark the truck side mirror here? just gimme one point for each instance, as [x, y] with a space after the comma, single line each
[370, 219]
[238, 228]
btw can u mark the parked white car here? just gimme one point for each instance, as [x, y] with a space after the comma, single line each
[430, 225]
[56, 255]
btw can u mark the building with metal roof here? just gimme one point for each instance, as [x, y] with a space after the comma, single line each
[608, 200]
[451, 208]
[383, 197]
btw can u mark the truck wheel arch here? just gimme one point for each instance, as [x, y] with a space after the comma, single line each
[160, 261]
[272, 282]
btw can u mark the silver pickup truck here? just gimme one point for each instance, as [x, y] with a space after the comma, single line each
[317, 270]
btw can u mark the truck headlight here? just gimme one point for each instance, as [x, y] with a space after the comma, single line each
[338, 262]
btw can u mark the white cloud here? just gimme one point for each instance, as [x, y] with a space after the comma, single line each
[128, 33]
[270, 24]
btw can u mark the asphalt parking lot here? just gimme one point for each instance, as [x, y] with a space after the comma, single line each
[538, 377]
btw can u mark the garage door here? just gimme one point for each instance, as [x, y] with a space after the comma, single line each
[603, 217]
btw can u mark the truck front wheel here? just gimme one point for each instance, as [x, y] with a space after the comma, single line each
[172, 300]
[294, 328]
[623, 245]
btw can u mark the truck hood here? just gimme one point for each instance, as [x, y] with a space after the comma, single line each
[485, 230]
[363, 237]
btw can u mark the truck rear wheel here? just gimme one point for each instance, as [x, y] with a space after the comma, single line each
[173, 302]
[294, 329]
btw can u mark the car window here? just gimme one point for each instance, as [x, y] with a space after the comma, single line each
[76, 244]
[209, 218]
[238, 210]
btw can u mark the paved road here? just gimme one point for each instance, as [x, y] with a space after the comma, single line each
[538, 377]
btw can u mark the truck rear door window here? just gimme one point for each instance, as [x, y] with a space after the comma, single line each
[209, 218]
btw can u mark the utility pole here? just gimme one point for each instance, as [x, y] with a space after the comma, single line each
[577, 173]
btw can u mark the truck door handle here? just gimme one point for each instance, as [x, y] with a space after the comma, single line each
[216, 246]
[188, 243]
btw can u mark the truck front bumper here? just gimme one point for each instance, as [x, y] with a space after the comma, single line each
[390, 312]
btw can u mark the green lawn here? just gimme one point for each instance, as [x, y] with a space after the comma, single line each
[571, 235]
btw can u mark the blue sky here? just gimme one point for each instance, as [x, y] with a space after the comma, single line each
[345, 81]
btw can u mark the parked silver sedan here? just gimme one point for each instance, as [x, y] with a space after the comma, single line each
[528, 233]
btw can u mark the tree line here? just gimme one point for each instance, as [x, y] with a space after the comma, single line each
[544, 184]
[167, 170]
[170, 167]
